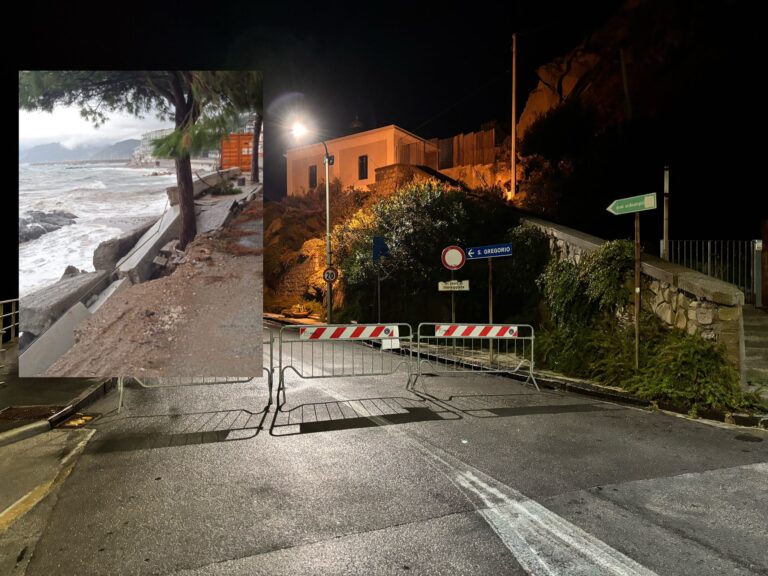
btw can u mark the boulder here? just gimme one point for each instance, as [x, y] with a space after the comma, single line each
[109, 252]
[71, 271]
[36, 223]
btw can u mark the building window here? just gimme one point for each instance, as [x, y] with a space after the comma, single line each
[362, 167]
[313, 176]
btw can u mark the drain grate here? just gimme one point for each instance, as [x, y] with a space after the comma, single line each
[77, 421]
[29, 412]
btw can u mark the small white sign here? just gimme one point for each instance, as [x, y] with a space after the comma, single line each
[453, 286]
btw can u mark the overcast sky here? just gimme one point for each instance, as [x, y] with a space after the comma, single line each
[66, 126]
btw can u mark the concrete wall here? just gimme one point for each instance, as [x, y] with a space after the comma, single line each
[52, 345]
[679, 296]
[202, 183]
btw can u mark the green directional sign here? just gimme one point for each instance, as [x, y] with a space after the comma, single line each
[633, 204]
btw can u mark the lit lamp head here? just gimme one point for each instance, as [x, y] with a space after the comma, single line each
[299, 130]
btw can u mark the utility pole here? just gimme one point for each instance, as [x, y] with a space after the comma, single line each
[513, 162]
[665, 244]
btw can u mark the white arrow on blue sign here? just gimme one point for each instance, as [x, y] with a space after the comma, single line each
[492, 251]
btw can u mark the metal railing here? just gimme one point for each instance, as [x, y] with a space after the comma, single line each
[342, 350]
[732, 261]
[10, 310]
[479, 348]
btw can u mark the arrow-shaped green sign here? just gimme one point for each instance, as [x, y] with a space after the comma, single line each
[633, 204]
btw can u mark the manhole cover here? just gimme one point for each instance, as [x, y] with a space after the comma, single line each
[29, 412]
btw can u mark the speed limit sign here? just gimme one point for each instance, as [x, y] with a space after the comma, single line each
[330, 275]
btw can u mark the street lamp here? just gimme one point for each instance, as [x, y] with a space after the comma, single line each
[299, 130]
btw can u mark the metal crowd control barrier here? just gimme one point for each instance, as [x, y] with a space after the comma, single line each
[479, 348]
[178, 381]
[325, 351]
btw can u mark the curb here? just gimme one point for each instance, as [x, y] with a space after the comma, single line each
[24, 432]
[83, 399]
[39, 426]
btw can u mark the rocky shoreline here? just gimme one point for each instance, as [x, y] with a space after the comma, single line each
[36, 223]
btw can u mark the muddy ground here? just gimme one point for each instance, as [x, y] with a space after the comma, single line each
[203, 320]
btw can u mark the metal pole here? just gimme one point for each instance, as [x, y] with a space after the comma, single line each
[13, 321]
[490, 307]
[453, 303]
[513, 138]
[378, 293]
[490, 290]
[637, 290]
[665, 250]
[328, 230]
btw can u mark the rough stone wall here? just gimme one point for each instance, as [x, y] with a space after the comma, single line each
[390, 178]
[713, 321]
[307, 274]
[680, 297]
[480, 175]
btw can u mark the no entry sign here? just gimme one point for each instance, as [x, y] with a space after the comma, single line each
[453, 257]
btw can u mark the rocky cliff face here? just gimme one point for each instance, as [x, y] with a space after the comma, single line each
[661, 43]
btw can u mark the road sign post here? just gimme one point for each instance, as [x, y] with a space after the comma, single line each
[453, 258]
[635, 204]
[453, 303]
[489, 253]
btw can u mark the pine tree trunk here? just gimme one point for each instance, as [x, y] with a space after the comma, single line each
[255, 154]
[186, 201]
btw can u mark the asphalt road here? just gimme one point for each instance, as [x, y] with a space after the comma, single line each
[459, 475]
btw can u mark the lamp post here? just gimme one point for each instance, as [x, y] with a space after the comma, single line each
[328, 260]
[298, 131]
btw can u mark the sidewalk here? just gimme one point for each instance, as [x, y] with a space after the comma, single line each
[29, 406]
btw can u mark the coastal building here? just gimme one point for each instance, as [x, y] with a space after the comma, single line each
[358, 158]
[143, 153]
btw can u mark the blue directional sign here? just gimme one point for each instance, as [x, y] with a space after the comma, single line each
[492, 251]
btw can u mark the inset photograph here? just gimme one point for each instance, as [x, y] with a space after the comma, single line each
[140, 223]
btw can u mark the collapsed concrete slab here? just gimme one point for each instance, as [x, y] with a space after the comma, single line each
[109, 252]
[202, 183]
[39, 310]
[111, 290]
[217, 211]
[52, 345]
[137, 264]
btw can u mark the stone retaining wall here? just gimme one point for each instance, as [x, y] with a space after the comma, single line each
[679, 296]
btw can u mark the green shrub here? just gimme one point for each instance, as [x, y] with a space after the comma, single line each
[563, 289]
[562, 350]
[576, 293]
[689, 373]
[604, 273]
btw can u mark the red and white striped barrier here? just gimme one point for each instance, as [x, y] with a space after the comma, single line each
[475, 331]
[368, 332]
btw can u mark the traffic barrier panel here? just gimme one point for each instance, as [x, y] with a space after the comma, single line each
[480, 348]
[336, 350]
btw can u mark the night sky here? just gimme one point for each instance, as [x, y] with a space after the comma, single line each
[433, 70]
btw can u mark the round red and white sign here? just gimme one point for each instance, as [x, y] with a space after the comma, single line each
[453, 257]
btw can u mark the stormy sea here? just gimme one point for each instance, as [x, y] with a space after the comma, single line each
[66, 210]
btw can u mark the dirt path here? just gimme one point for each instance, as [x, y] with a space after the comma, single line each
[205, 319]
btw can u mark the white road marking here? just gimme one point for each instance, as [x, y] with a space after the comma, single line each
[543, 543]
